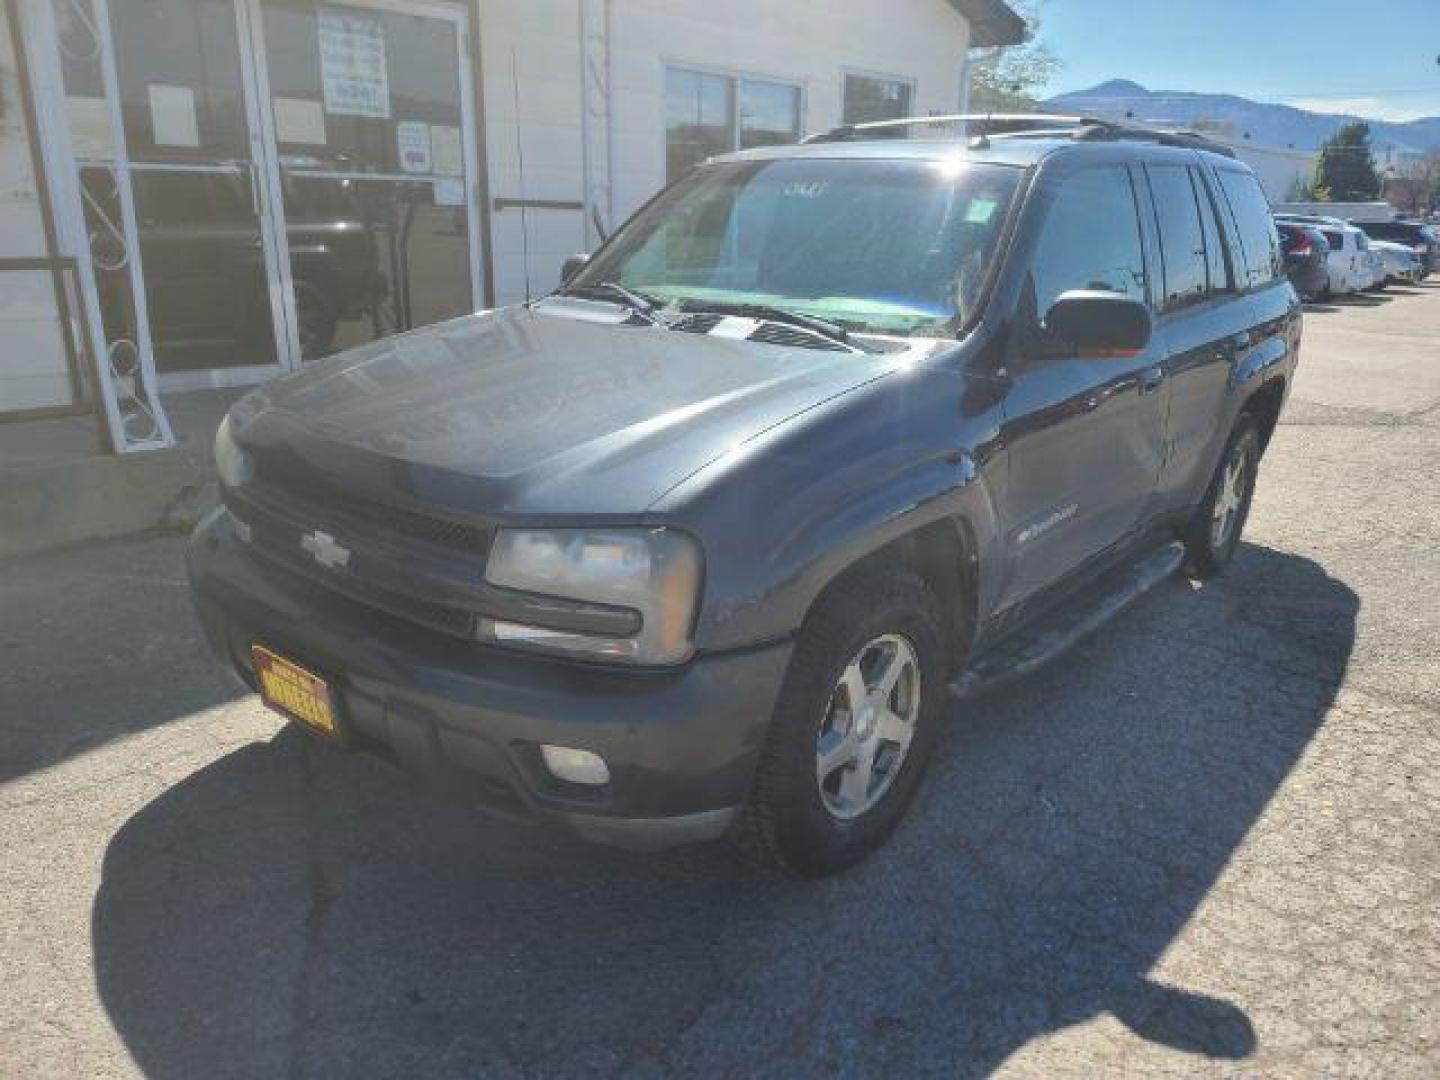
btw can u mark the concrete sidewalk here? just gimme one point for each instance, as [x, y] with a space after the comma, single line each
[60, 484]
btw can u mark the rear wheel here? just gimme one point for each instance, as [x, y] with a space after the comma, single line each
[1214, 533]
[853, 729]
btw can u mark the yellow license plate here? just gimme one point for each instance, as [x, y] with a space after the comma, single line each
[294, 692]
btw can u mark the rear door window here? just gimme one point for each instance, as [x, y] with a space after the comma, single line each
[1335, 239]
[1260, 247]
[1182, 238]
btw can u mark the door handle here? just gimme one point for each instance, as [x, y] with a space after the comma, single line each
[1150, 380]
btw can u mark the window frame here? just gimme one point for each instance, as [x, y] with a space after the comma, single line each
[735, 77]
[911, 84]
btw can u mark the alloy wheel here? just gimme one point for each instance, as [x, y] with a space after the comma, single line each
[868, 726]
[1230, 498]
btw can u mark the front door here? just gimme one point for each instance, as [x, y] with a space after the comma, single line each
[206, 249]
[367, 109]
[302, 175]
[1083, 435]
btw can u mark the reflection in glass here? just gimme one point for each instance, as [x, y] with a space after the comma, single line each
[868, 98]
[769, 113]
[206, 287]
[374, 196]
[698, 119]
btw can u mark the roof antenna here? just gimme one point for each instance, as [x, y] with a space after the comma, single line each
[981, 141]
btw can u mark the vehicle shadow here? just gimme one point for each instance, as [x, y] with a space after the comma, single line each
[293, 909]
[1362, 300]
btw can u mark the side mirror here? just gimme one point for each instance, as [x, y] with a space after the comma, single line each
[572, 266]
[1100, 324]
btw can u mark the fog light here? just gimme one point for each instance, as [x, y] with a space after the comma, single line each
[576, 766]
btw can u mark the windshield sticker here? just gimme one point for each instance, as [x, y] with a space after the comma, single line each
[981, 211]
[801, 189]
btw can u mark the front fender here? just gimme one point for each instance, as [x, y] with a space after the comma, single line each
[791, 514]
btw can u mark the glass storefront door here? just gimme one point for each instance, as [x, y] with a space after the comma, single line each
[205, 251]
[301, 175]
[368, 111]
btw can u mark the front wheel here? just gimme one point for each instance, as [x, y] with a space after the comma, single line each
[1214, 533]
[853, 728]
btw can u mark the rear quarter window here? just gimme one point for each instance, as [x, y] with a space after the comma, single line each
[1259, 243]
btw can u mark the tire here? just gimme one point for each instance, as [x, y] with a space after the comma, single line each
[800, 816]
[1209, 547]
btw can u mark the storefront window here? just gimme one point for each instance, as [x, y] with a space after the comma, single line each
[702, 118]
[868, 97]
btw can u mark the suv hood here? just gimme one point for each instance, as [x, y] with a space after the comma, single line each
[560, 409]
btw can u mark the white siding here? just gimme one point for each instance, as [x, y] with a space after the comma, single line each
[531, 68]
[33, 372]
[1277, 170]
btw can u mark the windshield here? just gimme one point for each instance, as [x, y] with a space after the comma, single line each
[889, 246]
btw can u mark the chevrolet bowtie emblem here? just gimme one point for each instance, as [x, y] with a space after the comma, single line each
[323, 548]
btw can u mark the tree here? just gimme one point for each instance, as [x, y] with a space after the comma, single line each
[1414, 185]
[1302, 190]
[1346, 168]
[1010, 78]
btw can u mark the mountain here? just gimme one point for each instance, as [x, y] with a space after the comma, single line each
[1266, 124]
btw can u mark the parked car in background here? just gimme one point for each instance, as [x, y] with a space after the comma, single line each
[1402, 264]
[1372, 265]
[1420, 238]
[1347, 272]
[1306, 258]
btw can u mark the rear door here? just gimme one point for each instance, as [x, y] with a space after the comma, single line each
[1198, 323]
[1082, 434]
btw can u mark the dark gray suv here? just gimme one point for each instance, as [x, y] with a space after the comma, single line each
[701, 543]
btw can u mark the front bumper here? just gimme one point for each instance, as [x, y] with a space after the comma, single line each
[681, 745]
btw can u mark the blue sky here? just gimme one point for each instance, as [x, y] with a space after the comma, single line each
[1375, 58]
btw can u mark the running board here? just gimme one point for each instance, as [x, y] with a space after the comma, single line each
[1018, 656]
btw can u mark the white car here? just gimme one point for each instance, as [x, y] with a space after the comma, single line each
[1372, 264]
[1350, 265]
[1401, 261]
[1349, 271]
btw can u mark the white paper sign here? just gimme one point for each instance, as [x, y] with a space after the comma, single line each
[445, 149]
[412, 139]
[172, 116]
[449, 192]
[299, 120]
[352, 63]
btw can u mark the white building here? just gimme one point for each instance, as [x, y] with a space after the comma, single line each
[209, 192]
[1279, 169]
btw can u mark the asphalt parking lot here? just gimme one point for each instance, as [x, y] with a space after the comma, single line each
[1206, 841]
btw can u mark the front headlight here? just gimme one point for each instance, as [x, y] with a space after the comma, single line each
[232, 463]
[654, 573]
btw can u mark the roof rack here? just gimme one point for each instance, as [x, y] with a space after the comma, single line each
[980, 127]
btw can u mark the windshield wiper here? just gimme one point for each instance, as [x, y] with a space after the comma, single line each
[639, 305]
[824, 327]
